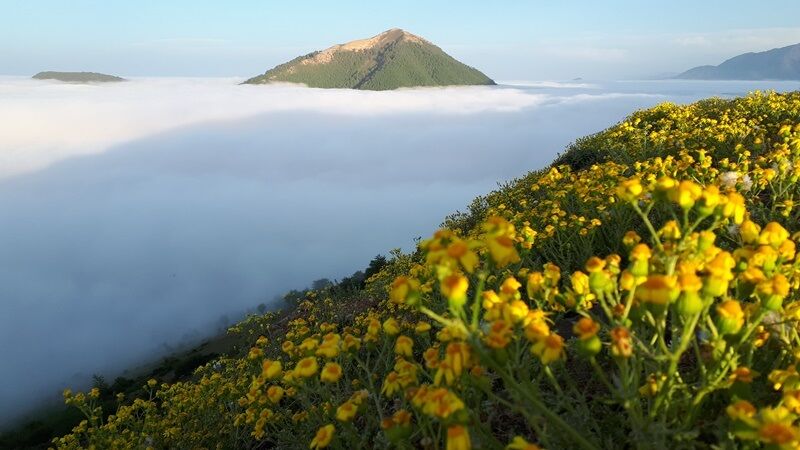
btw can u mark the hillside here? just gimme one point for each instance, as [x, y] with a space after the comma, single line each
[390, 60]
[77, 77]
[641, 292]
[776, 64]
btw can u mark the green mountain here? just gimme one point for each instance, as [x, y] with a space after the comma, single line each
[77, 77]
[776, 64]
[390, 60]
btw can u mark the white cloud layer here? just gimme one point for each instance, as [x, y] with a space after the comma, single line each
[46, 121]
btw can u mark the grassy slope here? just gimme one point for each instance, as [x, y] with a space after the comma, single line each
[345, 70]
[415, 65]
[52, 422]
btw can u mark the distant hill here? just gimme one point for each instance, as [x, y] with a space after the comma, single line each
[776, 64]
[77, 77]
[390, 60]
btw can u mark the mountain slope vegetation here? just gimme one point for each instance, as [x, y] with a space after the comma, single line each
[390, 60]
[641, 292]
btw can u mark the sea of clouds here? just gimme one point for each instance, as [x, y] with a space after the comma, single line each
[136, 214]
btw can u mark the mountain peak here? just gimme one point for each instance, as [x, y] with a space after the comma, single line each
[394, 34]
[394, 58]
[377, 42]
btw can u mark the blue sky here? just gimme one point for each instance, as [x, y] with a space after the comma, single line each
[507, 40]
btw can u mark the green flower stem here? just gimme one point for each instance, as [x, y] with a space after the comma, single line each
[368, 375]
[532, 420]
[726, 366]
[532, 400]
[601, 296]
[444, 321]
[600, 374]
[674, 359]
[476, 302]
[628, 304]
[553, 380]
[644, 216]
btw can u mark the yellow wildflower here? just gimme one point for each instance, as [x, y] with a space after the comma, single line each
[331, 373]
[323, 437]
[743, 374]
[776, 427]
[630, 190]
[438, 402]
[275, 393]
[549, 349]
[773, 234]
[534, 284]
[403, 346]
[658, 289]
[685, 193]
[454, 288]
[458, 438]
[404, 290]
[734, 207]
[329, 347]
[519, 443]
[391, 384]
[730, 317]
[510, 288]
[346, 411]
[422, 327]
[391, 327]
[271, 369]
[306, 367]
[749, 231]
[500, 241]
[671, 230]
[585, 328]
[457, 355]
[773, 291]
[741, 410]
[459, 251]
[791, 400]
[621, 345]
[499, 334]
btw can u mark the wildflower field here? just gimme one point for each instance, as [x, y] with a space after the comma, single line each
[642, 292]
